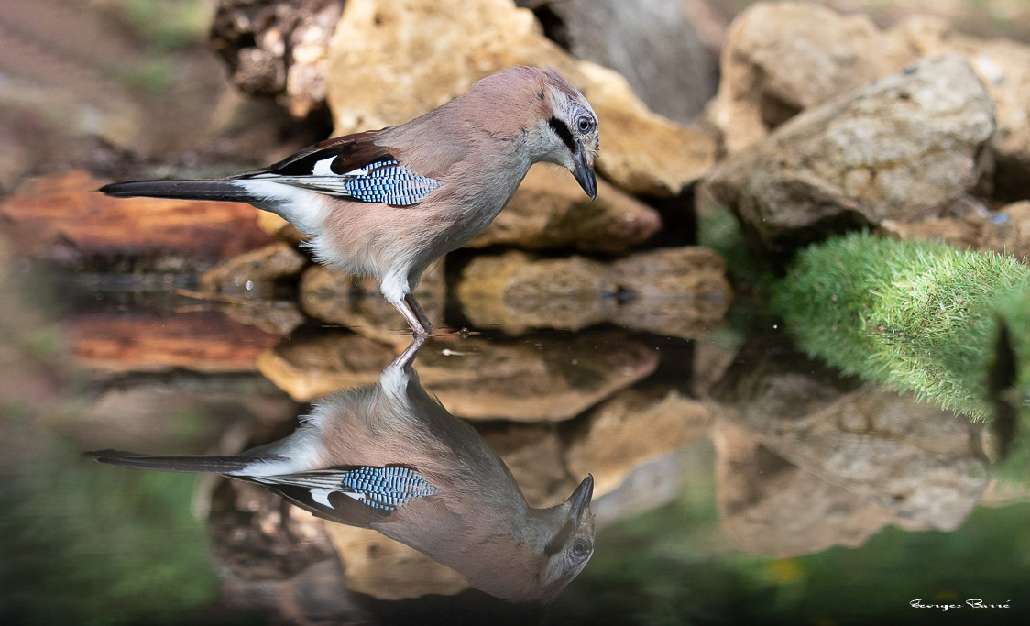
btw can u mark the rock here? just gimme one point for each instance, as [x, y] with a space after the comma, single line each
[201, 341]
[781, 58]
[309, 368]
[958, 232]
[519, 293]
[545, 379]
[1008, 231]
[535, 379]
[60, 216]
[672, 291]
[274, 317]
[904, 148]
[647, 487]
[650, 42]
[1004, 67]
[535, 455]
[390, 50]
[677, 291]
[277, 227]
[253, 539]
[551, 211]
[769, 507]
[630, 429]
[278, 47]
[338, 298]
[272, 262]
[912, 459]
[317, 595]
[380, 567]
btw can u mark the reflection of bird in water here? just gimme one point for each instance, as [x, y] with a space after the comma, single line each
[392, 459]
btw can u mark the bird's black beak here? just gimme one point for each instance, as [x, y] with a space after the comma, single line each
[585, 173]
[580, 498]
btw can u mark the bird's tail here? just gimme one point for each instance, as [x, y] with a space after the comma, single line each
[211, 190]
[212, 464]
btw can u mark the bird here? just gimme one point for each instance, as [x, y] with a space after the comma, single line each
[387, 203]
[389, 457]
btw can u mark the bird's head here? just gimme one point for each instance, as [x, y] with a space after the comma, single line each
[572, 543]
[544, 110]
[568, 135]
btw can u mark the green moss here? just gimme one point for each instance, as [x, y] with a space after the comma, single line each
[912, 315]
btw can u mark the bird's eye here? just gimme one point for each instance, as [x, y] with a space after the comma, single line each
[585, 123]
[580, 548]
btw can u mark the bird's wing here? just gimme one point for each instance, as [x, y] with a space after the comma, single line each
[351, 167]
[332, 492]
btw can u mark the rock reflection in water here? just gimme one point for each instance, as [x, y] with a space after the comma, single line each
[390, 458]
[808, 460]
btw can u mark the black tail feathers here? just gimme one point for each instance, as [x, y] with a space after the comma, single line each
[211, 190]
[212, 464]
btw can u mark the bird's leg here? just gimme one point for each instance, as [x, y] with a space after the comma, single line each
[419, 325]
[406, 357]
[419, 313]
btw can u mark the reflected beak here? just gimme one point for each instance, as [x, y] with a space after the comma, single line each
[580, 498]
[585, 174]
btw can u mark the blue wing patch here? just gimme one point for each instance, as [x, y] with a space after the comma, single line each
[388, 182]
[386, 488]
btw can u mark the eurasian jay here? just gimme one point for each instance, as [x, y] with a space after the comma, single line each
[391, 458]
[386, 203]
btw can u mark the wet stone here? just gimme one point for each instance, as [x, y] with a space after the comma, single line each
[336, 297]
[270, 263]
[632, 428]
[678, 291]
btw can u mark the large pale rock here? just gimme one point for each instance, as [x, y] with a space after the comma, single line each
[550, 210]
[781, 58]
[334, 296]
[650, 42]
[632, 428]
[905, 148]
[390, 61]
[380, 567]
[1004, 67]
[543, 379]
[680, 291]
[61, 216]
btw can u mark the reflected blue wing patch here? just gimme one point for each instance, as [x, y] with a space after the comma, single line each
[384, 489]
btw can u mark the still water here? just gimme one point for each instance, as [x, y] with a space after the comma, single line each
[733, 480]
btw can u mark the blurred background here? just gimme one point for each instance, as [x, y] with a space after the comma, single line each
[738, 480]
